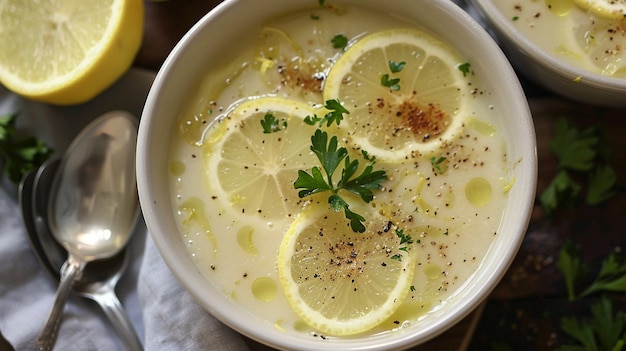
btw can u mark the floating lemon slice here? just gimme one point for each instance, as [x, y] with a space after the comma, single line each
[614, 9]
[341, 282]
[252, 171]
[66, 52]
[401, 111]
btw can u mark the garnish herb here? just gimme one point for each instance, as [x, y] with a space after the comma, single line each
[606, 330]
[610, 278]
[465, 68]
[330, 157]
[19, 154]
[314, 16]
[515, 18]
[339, 41]
[579, 154]
[437, 163]
[392, 83]
[335, 114]
[271, 124]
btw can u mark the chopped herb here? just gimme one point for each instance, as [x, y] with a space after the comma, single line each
[330, 157]
[390, 83]
[396, 67]
[437, 163]
[19, 154]
[412, 288]
[465, 68]
[404, 238]
[397, 257]
[271, 124]
[315, 16]
[515, 18]
[335, 114]
[339, 41]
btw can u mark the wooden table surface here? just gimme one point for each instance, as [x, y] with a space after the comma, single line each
[525, 309]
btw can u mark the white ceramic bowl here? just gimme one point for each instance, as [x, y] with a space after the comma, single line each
[187, 64]
[545, 69]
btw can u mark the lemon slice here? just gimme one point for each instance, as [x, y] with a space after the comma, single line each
[66, 52]
[613, 9]
[341, 282]
[422, 111]
[252, 171]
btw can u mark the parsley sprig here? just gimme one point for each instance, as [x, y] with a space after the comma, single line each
[611, 276]
[580, 154]
[271, 124]
[605, 330]
[331, 156]
[19, 154]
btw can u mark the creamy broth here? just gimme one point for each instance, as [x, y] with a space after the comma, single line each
[566, 31]
[454, 212]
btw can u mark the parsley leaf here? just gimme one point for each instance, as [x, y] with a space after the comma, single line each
[611, 276]
[465, 68]
[562, 189]
[330, 157]
[572, 267]
[606, 330]
[437, 163]
[339, 41]
[391, 83]
[602, 183]
[335, 114]
[575, 150]
[271, 124]
[19, 154]
[396, 67]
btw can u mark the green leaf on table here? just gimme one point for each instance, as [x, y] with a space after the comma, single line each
[612, 276]
[19, 154]
[572, 267]
[562, 190]
[574, 149]
[602, 181]
[604, 331]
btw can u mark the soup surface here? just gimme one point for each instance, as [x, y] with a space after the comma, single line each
[232, 181]
[592, 40]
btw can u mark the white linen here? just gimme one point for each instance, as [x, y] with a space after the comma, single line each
[163, 314]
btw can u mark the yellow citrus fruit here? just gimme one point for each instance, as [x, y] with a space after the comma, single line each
[252, 171]
[341, 282]
[66, 52]
[614, 9]
[405, 91]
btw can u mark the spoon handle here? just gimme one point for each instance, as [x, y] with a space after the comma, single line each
[116, 313]
[69, 272]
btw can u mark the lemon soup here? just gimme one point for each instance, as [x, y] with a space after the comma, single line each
[590, 34]
[345, 174]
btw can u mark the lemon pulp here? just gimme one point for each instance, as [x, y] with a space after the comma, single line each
[66, 52]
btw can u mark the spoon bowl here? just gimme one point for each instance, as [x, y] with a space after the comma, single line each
[93, 203]
[99, 278]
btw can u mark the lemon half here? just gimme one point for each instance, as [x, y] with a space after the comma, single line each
[341, 282]
[66, 52]
[422, 111]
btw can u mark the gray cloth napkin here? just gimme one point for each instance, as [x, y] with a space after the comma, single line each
[163, 314]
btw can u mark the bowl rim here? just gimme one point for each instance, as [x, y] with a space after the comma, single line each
[490, 11]
[158, 227]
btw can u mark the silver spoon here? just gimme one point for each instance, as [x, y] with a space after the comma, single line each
[99, 278]
[93, 203]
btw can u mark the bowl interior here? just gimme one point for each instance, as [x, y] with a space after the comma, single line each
[537, 64]
[189, 60]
